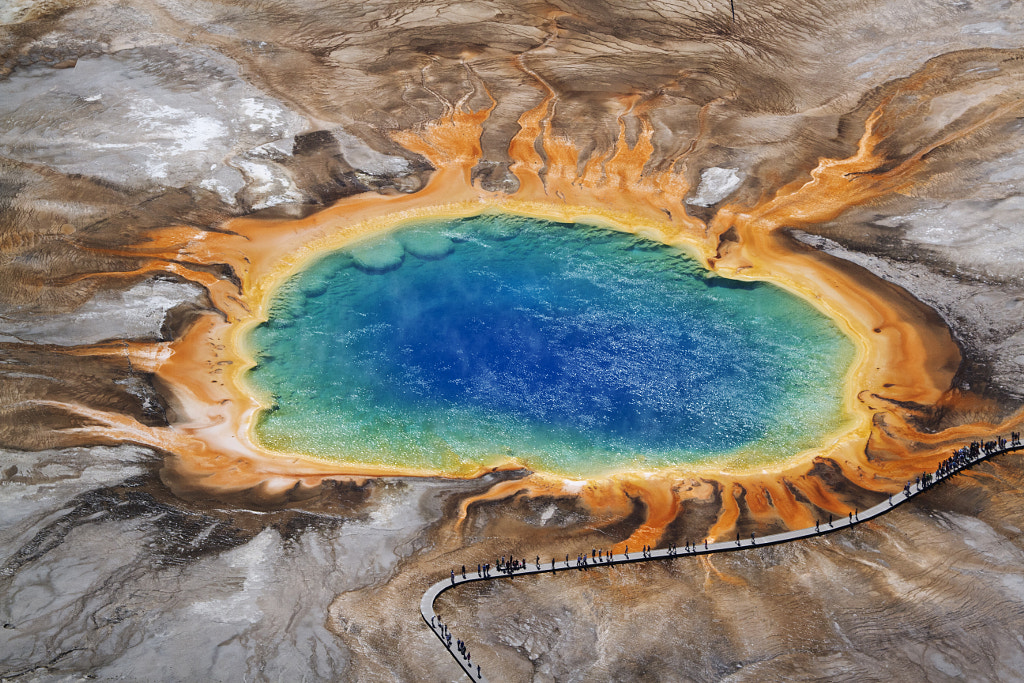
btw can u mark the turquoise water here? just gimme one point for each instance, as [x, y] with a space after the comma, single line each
[576, 349]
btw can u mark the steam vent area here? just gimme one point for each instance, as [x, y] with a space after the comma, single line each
[511, 341]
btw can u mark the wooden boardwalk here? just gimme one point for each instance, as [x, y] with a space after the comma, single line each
[453, 580]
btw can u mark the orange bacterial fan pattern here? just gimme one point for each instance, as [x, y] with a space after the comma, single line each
[906, 361]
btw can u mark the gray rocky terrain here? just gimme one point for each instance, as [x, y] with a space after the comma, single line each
[121, 116]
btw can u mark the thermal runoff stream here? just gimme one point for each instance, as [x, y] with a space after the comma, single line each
[573, 349]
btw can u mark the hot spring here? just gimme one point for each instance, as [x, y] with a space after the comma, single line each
[574, 349]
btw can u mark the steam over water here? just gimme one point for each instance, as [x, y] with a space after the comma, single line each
[576, 349]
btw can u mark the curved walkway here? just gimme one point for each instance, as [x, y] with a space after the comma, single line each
[961, 460]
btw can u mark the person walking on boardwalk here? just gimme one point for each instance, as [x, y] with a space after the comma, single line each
[453, 577]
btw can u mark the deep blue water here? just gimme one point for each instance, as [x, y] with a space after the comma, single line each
[578, 349]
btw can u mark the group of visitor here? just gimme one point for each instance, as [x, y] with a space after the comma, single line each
[464, 651]
[460, 645]
[960, 459]
[688, 547]
[510, 566]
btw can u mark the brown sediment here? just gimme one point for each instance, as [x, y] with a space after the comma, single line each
[905, 366]
[709, 568]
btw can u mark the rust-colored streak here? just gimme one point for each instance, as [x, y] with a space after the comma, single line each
[450, 144]
[791, 511]
[662, 504]
[710, 568]
[527, 161]
[818, 494]
[730, 512]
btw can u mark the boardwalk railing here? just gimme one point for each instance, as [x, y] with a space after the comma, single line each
[962, 459]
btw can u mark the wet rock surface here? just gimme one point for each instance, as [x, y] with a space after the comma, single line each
[117, 118]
